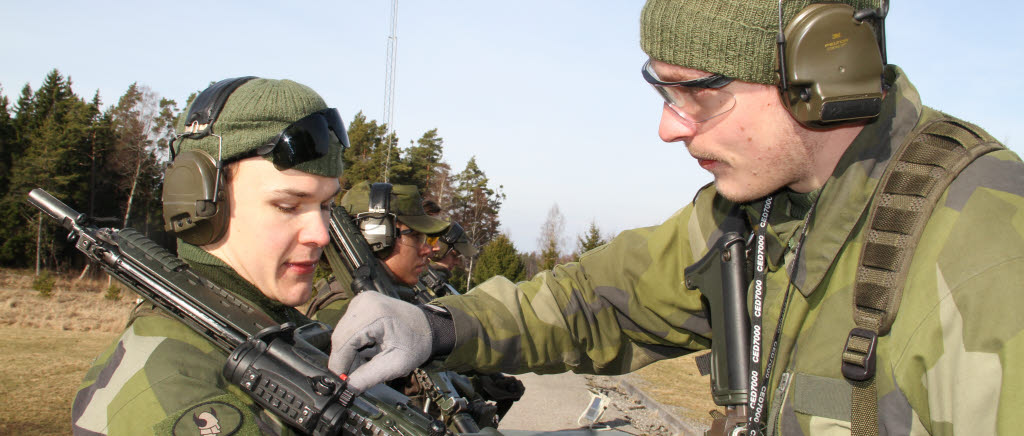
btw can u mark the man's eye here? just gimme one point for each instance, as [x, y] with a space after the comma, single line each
[287, 208]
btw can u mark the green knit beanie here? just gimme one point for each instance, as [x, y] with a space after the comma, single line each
[735, 38]
[257, 112]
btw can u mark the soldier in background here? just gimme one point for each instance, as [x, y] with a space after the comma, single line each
[404, 258]
[824, 153]
[450, 250]
[402, 251]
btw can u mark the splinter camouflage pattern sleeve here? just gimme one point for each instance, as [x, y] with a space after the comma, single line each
[952, 364]
[161, 377]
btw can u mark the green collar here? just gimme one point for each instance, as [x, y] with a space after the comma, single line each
[214, 269]
[847, 193]
[789, 209]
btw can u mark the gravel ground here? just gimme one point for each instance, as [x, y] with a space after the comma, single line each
[642, 412]
[641, 417]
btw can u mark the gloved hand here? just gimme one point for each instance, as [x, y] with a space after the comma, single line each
[379, 338]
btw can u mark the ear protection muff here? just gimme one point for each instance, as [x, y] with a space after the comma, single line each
[831, 64]
[195, 207]
[378, 224]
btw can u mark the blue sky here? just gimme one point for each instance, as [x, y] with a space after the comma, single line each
[546, 94]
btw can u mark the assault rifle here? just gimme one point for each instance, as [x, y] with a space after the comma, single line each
[433, 284]
[721, 277]
[348, 253]
[449, 396]
[282, 367]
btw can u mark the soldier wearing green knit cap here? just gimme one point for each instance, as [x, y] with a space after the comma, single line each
[884, 242]
[254, 173]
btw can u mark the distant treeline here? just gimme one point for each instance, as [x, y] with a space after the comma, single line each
[109, 163]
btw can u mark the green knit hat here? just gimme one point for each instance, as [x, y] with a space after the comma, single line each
[405, 204]
[735, 38]
[255, 113]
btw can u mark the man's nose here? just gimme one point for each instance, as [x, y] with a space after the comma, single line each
[674, 128]
[426, 248]
[315, 231]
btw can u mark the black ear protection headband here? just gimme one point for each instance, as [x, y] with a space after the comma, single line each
[194, 205]
[378, 224]
[831, 63]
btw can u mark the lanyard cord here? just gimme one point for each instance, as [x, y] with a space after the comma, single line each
[759, 385]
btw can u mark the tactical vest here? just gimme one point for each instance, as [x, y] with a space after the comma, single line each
[925, 164]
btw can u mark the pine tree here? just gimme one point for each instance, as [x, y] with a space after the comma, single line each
[51, 124]
[99, 142]
[499, 258]
[7, 139]
[423, 161]
[475, 205]
[367, 153]
[589, 240]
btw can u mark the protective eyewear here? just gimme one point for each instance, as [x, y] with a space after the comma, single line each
[418, 239]
[306, 139]
[696, 100]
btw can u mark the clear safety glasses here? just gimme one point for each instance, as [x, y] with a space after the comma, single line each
[306, 139]
[697, 100]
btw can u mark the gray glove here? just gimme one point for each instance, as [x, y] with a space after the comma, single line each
[379, 338]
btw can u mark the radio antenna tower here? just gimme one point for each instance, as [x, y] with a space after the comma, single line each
[389, 85]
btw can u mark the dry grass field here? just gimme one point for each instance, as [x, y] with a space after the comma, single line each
[49, 343]
[677, 384]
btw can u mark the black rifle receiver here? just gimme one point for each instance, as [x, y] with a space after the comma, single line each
[433, 284]
[721, 278]
[282, 367]
[349, 253]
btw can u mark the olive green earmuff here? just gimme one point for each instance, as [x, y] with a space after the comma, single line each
[378, 224]
[195, 207]
[831, 63]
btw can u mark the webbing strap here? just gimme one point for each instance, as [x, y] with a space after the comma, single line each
[864, 409]
[907, 193]
[909, 190]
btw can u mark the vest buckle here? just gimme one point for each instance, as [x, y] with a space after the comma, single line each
[859, 354]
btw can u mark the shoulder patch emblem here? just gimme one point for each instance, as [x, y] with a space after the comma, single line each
[209, 419]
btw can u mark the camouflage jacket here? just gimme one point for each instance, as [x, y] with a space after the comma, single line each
[161, 377]
[948, 366]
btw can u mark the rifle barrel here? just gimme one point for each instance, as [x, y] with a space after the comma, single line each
[56, 209]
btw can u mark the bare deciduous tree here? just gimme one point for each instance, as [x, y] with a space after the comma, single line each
[551, 238]
[141, 124]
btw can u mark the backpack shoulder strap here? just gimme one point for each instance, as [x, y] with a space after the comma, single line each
[926, 163]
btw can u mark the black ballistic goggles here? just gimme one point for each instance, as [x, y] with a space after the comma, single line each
[447, 241]
[306, 139]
